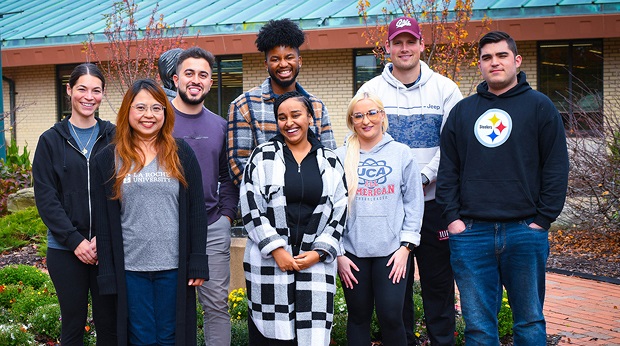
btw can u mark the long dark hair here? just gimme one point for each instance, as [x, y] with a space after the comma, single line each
[86, 69]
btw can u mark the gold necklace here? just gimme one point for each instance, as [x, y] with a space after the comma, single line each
[77, 138]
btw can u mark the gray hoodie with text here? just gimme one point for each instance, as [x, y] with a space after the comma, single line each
[389, 202]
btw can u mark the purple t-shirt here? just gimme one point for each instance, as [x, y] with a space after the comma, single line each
[205, 132]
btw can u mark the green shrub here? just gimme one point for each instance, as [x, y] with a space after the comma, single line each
[45, 321]
[15, 173]
[30, 299]
[13, 157]
[200, 320]
[504, 318]
[22, 228]
[28, 275]
[9, 294]
[238, 304]
[239, 332]
[15, 335]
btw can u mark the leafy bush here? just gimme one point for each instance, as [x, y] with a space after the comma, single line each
[13, 157]
[46, 321]
[29, 300]
[505, 318]
[9, 294]
[35, 311]
[239, 332]
[15, 173]
[200, 320]
[21, 228]
[27, 275]
[15, 335]
[238, 305]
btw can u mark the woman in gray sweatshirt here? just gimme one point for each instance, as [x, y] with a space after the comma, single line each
[386, 204]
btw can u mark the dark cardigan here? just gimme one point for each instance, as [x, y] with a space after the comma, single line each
[192, 242]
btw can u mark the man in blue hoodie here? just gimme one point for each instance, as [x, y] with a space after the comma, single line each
[417, 102]
[502, 181]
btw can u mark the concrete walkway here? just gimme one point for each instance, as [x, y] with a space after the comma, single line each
[585, 312]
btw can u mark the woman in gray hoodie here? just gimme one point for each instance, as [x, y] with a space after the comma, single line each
[386, 204]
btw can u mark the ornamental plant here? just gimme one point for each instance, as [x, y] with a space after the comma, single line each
[15, 173]
[238, 305]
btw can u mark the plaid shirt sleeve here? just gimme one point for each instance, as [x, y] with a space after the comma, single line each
[323, 125]
[240, 141]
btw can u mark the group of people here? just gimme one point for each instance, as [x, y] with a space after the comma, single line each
[139, 214]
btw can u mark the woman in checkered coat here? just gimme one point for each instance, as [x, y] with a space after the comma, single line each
[293, 202]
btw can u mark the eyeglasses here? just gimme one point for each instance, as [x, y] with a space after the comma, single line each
[156, 109]
[372, 115]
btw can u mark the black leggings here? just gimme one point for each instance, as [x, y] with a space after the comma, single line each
[73, 279]
[375, 290]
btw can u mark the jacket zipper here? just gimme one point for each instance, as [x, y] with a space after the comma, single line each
[301, 177]
[90, 216]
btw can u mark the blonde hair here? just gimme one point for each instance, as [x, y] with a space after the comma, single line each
[352, 156]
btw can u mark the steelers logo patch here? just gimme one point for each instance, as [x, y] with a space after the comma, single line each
[493, 128]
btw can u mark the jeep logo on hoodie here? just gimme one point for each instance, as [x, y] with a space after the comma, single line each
[493, 128]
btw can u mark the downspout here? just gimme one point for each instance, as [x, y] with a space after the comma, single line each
[12, 122]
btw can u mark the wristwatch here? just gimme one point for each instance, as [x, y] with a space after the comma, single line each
[425, 180]
[322, 255]
[407, 245]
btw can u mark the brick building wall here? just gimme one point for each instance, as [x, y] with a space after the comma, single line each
[35, 100]
[327, 74]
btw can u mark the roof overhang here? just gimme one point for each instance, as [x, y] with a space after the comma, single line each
[523, 29]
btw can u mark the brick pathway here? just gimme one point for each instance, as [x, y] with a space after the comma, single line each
[585, 312]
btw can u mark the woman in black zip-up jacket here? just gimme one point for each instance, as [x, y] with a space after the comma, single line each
[61, 171]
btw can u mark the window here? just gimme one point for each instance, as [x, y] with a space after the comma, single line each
[571, 74]
[63, 73]
[367, 66]
[227, 84]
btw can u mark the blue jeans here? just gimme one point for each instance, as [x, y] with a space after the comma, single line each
[487, 256]
[151, 307]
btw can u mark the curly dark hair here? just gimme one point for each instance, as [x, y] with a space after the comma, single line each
[282, 32]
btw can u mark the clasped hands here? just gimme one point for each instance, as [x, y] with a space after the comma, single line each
[300, 262]
[86, 251]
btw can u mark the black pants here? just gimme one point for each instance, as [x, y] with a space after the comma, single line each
[436, 280]
[375, 290]
[256, 338]
[73, 279]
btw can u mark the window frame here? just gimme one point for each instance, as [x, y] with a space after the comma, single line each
[577, 120]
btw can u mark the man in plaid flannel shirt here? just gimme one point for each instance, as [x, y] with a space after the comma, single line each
[250, 117]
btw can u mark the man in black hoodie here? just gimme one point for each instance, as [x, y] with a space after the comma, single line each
[502, 181]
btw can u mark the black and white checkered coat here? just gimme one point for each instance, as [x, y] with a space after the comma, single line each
[285, 305]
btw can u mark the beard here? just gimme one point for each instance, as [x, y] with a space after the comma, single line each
[284, 84]
[188, 100]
